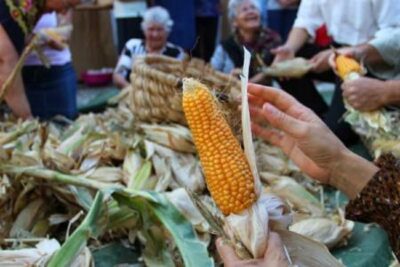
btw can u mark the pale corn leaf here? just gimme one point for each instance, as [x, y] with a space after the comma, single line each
[246, 126]
[90, 227]
[29, 256]
[175, 137]
[107, 174]
[288, 189]
[252, 225]
[182, 201]
[306, 252]
[323, 230]
[139, 180]
[187, 172]
[26, 218]
[295, 68]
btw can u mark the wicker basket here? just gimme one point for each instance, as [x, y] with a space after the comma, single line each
[156, 94]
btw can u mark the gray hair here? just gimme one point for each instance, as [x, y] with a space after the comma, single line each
[234, 4]
[159, 15]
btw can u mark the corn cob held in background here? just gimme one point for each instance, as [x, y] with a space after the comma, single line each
[348, 68]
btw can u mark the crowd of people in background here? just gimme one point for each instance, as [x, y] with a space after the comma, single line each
[311, 132]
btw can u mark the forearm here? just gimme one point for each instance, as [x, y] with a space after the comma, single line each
[16, 99]
[297, 38]
[368, 54]
[378, 202]
[392, 88]
[352, 173]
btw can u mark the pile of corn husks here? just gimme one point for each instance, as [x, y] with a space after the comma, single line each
[379, 129]
[68, 187]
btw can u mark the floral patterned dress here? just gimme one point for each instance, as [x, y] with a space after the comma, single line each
[18, 18]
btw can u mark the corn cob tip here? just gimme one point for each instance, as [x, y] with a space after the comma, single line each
[346, 65]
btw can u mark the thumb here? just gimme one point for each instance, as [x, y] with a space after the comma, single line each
[280, 120]
[226, 252]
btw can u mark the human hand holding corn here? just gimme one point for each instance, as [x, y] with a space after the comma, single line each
[307, 140]
[274, 255]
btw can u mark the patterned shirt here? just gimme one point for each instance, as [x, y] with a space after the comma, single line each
[137, 47]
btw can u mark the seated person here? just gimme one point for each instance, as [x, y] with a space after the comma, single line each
[248, 31]
[156, 27]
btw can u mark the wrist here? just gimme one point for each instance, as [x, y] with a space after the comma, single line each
[390, 92]
[351, 173]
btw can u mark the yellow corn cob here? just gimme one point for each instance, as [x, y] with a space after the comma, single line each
[346, 65]
[228, 175]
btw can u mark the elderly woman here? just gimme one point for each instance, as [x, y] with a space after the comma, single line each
[156, 26]
[17, 21]
[247, 31]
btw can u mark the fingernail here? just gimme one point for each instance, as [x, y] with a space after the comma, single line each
[269, 108]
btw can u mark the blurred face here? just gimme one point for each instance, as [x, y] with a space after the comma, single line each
[247, 16]
[60, 5]
[155, 35]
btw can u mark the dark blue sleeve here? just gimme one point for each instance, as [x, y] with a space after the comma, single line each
[11, 27]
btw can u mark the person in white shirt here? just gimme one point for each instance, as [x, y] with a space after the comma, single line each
[349, 23]
[51, 91]
[381, 57]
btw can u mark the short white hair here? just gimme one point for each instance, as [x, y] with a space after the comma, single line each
[159, 15]
[234, 4]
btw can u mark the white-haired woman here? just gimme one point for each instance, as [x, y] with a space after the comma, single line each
[244, 16]
[156, 27]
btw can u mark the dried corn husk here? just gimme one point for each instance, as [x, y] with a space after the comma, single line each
[323, 230]
[306, 252]
[175, 136]
[181, 200]
[298, 197]
[294, 68]
[37, 256]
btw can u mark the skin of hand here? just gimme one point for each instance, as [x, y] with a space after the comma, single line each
[321, 61]
[366, 94]
[274, 255]
[57, 45]
[282, 53]
[346, 51]
[306, 140]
